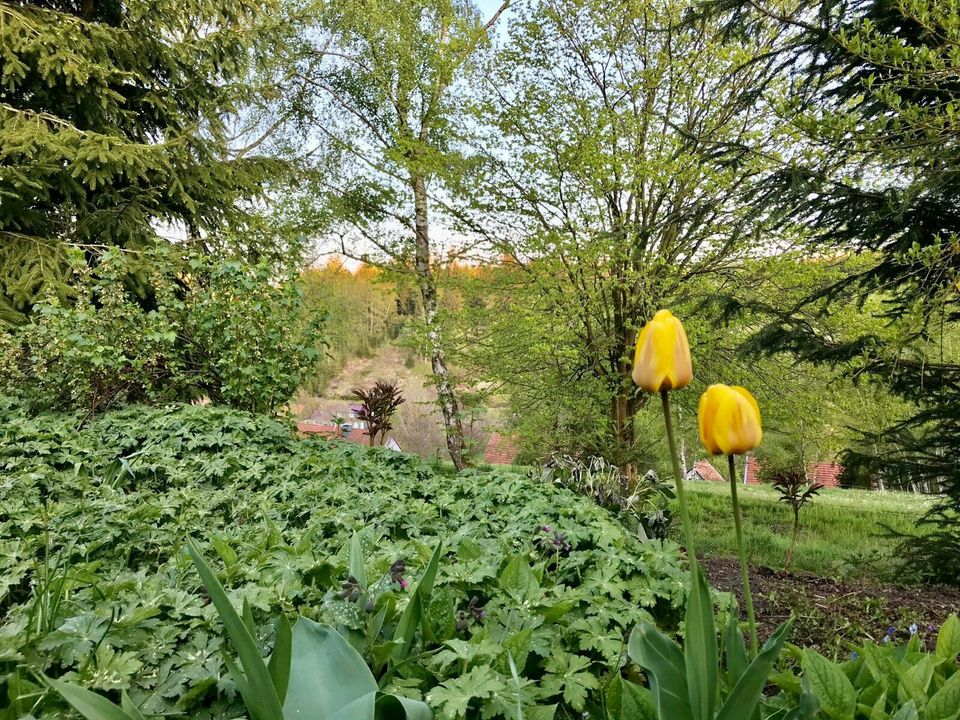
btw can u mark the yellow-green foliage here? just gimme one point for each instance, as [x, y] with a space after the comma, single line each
[361, 310]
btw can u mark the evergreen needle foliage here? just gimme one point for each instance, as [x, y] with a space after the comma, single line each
[112, 131]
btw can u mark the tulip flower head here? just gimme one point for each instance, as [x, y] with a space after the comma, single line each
[729, 420]
[662, 359]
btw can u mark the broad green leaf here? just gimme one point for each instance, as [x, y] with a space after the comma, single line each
[786, 681]
[258, 692]
[915, 681]
[700, 649]
[907, 712]
[629, 701]
[948, 639]
[413, 614]
[884, 670]
[879, 709]
[662, 658]
[945, 703]
[834, 691]
[226, 553]
[357, 570]
[279, 665]
[330, 681]
[519, 581]
[87, 703]
[743, 701]
[551, 612]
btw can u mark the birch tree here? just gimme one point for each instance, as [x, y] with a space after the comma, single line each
[388, 78]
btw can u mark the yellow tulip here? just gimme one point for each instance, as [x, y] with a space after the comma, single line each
[729, 420]
[662, 359]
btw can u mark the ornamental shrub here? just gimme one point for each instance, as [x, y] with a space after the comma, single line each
[153, 327]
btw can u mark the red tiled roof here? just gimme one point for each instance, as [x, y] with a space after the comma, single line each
[312, 428]
[501, 450]
[357, 435]
[825, 473]
[707, 471]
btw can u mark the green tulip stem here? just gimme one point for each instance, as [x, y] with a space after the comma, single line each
[681, 494]
[744, 569]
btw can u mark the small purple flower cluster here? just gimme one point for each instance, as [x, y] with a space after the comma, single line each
[912, 629]
[473, 614]
[550, 541]
[396, 574]
[350, 590]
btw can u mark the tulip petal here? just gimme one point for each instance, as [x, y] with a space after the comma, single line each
[729, 420]
[662, 357]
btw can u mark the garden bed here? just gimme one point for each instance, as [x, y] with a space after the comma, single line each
[830, 614]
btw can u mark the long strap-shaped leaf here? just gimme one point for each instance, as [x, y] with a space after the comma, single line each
[743, 701]
[735, 649]
[256, 685]
[415, 611]
[663, 659]
[91, 705]
[279, 665]
[700, 649]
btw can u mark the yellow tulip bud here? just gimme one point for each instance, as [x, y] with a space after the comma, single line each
[729, 420]
[662, 359]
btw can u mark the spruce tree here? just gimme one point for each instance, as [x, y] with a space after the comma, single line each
[112, 131]
[876, 170]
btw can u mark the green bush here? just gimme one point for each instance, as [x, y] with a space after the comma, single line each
[96, 591]
[155, 327]
[880, 681]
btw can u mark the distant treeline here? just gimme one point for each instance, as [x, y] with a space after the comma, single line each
[362, 311]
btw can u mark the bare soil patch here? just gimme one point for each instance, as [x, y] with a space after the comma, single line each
[831, 614]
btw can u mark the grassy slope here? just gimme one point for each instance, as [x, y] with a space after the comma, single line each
[843, 532]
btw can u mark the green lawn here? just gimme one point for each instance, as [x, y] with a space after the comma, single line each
[842, 533]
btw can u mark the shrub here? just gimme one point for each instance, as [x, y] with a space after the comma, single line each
[640, 502]
[796, 491]
[155, 327]
[377, 406]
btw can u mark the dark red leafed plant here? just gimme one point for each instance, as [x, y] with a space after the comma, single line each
[796, 491]
[377, 406]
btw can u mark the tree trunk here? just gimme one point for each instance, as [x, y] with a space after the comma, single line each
[428, 292]
[624, 405]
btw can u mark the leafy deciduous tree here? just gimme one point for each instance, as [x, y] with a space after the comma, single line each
[389, 89]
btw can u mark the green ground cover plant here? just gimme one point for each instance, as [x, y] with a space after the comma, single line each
[832, 534]
[536, 588]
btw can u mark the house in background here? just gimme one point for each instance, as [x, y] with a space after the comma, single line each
[501, 450]
[702, 470]
[825, 473]
[347, 431]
